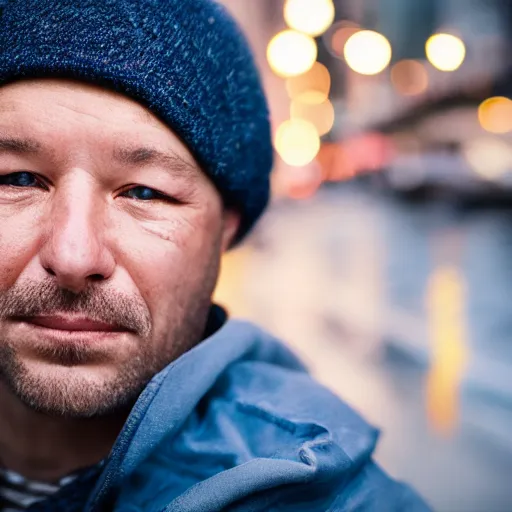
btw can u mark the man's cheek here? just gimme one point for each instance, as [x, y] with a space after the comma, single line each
[17, 247]
[7, 274]
[171, 283]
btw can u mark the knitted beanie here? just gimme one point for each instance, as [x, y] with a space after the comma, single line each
[185, 60]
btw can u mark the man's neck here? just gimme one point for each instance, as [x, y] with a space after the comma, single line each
[47, 449]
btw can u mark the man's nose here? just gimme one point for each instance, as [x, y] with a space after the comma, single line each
[75, 250]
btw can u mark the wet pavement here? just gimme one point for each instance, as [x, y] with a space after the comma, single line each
[405, 311]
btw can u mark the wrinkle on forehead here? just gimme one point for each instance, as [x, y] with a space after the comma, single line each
[80, 112]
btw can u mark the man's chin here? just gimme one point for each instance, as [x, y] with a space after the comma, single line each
[74, 392]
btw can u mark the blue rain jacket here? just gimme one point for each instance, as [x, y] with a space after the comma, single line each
[237, 424]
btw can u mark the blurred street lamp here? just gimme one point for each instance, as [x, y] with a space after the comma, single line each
[320, 115]
[367, 52]
[409, 77]
[312, 17]
[291, 53]
[495, 115]
[297, 142]
[312, 87]
[445, 51]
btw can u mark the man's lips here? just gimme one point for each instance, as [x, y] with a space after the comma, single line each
[72, 323]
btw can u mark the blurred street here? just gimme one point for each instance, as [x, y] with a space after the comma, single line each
[385, 258]
[354, 280]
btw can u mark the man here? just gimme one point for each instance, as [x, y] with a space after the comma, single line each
[134, 150]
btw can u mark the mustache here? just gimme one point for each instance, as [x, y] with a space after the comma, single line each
[46, 298]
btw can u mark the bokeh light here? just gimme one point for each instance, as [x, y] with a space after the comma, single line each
[312, 87]
[313, 17]
[409, 77]
[337, 37]
[445, 52]
[297, 142]
[320, 115]
[489, 157]
[495, 115]
[367, 52]
[291, 53]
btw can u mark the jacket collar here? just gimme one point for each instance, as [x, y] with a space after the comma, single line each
[172, 395]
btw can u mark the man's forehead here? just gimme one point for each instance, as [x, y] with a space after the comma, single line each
[20, 92]
[126, 116]
[6, 105]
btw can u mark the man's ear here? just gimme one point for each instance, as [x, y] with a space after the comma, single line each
[230, 228]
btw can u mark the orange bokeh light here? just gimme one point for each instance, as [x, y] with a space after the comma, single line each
[409, 77]
[495, 114]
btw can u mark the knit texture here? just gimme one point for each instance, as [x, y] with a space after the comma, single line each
[185, 60]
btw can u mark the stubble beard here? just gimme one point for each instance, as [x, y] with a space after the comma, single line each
[67, 391]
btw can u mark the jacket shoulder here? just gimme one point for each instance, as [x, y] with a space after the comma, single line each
[288, 397]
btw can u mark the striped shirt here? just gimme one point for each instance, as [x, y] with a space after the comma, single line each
[18, 493]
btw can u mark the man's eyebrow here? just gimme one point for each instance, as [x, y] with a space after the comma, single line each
[20, 146]
[145, 156]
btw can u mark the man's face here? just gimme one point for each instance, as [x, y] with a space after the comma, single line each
[110, 240]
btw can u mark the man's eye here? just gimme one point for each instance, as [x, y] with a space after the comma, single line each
[20, 179]
[145, 194]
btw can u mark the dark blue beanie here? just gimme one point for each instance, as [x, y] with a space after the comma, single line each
[185, 60]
